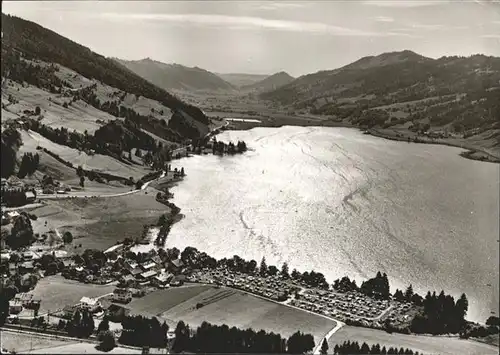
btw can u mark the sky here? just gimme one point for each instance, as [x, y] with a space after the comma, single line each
[266, 37]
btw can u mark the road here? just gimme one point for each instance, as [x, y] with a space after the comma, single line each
[66, 196]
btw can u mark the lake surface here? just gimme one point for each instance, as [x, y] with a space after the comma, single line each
[343, 203]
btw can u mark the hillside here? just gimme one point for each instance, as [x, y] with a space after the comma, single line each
[74, 108]
[176, 76]
[36, 42]
[272, 82]
[404, 90]
[240, 79]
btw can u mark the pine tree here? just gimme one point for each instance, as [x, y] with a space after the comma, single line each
[409, 293]
[263, 267]
[284, 270]
[324, 347]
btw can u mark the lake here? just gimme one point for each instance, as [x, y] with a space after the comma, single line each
[343, 203]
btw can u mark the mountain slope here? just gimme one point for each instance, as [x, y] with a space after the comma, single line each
[176, 76]
[240, 79]
[403, 89]
[272, 82]
[35, 41]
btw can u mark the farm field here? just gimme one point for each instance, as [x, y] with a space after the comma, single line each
[423, 344]
[78, 116]
[100, 222]
[231, 307]
[31, 140]
[57, 292]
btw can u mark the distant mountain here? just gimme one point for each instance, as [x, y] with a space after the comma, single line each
[239, 79]
[402, 88]
[34, 41]
[272, 82]
[176, 76]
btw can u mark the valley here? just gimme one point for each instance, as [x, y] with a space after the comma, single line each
[164, 184]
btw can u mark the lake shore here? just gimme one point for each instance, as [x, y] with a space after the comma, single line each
[472, 152]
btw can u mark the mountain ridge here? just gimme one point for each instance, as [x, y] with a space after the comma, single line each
[39, 42]
[272, 82]
[455, 93]
[176, 76]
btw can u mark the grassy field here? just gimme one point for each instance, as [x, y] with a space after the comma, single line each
[422, 344]
[38, 344]
[157, 302]
[79, 116]
[83, 348]
[23, 343]
[231, 307]
[101, 222]
[31, 140]
[57, 292]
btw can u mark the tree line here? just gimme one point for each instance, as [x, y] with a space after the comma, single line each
[196, 259]
[11, 141]
[143, 331]
[219, 147]
[441, 314]
[350, 348]
[209, 338]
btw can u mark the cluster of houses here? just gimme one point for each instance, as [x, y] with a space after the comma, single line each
[23, 301]
[26, 264]
[14, 184]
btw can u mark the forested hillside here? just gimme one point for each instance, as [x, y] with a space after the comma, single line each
[35, 41]
[403, 88]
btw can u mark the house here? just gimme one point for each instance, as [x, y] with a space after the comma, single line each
[115, 248]
[12, 268]
[162, 280]
[148, 275]
[122, 295]
[30, 197]
[117, 313]
[15, 306]
[136, 272]
[5, 256]
[31, 255]
[156, 259]
[128, 280]
[176, 265]
[178, 280]
[27, 266]
[150, 265]
[130, 265]
[68, 262]
[92, 304]
[69, 311]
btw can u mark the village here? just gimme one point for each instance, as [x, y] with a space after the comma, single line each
[135, 275]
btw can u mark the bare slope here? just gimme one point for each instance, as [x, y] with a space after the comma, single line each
[176, 76]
